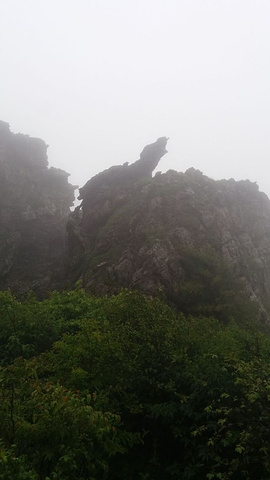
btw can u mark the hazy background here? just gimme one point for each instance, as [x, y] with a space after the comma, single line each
[100, 79]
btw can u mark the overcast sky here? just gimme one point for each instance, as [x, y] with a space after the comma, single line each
[100, 79]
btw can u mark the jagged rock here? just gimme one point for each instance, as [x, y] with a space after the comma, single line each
[110, 188]
[34, 205]
[135, 233]
[149, 159]
[131, 230]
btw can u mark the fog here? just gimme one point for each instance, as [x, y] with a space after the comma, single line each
[100, 79]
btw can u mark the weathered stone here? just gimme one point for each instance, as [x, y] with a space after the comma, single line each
[34, 205]
[131, 230]
[139, 230]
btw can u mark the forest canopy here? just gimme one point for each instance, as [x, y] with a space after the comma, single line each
[125, 387]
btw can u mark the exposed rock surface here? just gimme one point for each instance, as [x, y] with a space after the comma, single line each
[34, 205]
[131, 230]
[135, 231]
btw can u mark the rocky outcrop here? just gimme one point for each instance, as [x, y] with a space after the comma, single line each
[34, 205]
[168, 233]
[136, 234]
[102, 193]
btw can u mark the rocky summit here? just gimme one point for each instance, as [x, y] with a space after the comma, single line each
[173, 233]
[194, 240]
[34, 206]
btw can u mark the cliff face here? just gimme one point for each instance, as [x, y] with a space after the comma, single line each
[34, 206]
[142, 234]
[172, 233]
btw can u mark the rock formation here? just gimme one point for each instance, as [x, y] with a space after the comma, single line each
[34, 205]
[171, 233]
[109, 188]
[136, 233]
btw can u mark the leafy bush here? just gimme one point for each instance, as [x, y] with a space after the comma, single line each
[126, 388]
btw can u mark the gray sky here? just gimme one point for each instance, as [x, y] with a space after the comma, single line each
[100, 79]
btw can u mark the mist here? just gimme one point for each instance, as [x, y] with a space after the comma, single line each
[98, 80]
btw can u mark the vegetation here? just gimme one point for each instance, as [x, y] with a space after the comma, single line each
[126, 388]
[210, 289]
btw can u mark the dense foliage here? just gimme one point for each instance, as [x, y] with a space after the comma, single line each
[126, 388]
